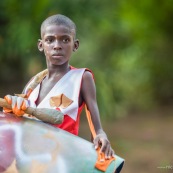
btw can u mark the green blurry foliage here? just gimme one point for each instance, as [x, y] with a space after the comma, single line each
[127, 44]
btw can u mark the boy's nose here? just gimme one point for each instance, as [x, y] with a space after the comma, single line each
[57, 45]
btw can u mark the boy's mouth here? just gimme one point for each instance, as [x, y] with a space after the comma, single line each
[57, 55]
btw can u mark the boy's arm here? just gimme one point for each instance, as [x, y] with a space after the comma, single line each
[88, 91]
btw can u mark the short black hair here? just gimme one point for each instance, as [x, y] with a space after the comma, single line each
[59, 19]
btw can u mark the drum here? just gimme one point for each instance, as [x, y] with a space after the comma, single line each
[31, 146]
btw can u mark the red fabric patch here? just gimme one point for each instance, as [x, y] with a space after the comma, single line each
[69, 125]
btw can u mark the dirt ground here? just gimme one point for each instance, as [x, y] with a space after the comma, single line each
[145, 141]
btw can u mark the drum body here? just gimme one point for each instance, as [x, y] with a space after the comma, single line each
[29, 146]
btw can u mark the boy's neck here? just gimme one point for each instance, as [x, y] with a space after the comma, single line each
[58, 70]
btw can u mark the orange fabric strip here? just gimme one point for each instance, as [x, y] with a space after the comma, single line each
[101, 163]
[90, 122]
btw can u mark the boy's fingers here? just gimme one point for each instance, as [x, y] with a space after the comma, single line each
[105, 146]
[14, 101]
[9, 101]
[19, 102]
[110, 153]
[107, 154]
[8, 98]
[96, 142]
[25, 105]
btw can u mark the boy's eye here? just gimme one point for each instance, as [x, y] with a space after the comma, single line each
[49, 40]
[65, 40]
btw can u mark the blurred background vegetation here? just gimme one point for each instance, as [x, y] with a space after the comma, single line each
[127, 44]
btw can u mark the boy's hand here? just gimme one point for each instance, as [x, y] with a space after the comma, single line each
[104, 144]
[18, 104]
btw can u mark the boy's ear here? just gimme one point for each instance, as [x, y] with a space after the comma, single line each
[40, 45]
[76, 45]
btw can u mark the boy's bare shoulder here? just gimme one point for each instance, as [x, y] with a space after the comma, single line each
[88, 80]
[88, 75]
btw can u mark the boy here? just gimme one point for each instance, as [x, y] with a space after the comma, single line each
[62, 86]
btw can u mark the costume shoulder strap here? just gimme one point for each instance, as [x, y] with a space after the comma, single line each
[34, 82]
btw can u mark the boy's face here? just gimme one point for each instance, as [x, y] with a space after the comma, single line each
[58, 44]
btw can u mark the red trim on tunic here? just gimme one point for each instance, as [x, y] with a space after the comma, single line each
[69, 124]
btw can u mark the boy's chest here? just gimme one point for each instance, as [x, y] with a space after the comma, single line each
[45, 88]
